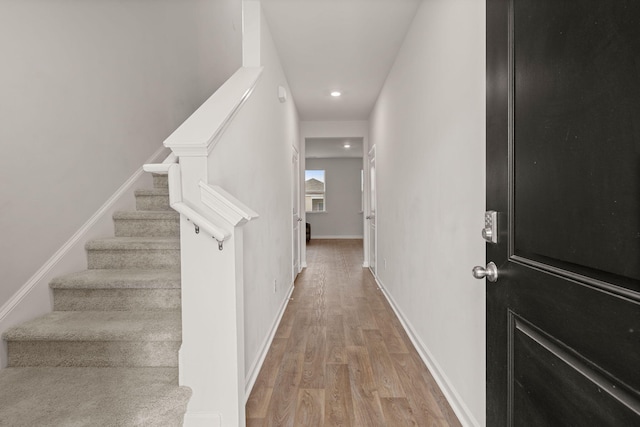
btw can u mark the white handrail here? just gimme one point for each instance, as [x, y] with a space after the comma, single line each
[161, 168]
[201, 131]
[199, 219]
[225, 205]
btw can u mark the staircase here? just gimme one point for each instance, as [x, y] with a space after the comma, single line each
[108, 353]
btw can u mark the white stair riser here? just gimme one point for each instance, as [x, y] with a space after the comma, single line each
[93, 353]
[134, 258]
[160, 181]
[116, 299]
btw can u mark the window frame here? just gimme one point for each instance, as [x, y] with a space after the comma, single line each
[309, 197]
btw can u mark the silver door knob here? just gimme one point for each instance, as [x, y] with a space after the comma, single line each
[491, 272]
[299, 219]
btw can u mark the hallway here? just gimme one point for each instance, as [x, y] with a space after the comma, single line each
[340, 356]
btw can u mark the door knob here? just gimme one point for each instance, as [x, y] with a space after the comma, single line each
[491, 272]
[299, 219]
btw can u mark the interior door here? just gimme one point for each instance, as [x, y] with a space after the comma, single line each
[372, 211]
[563, 172]
[296, 218]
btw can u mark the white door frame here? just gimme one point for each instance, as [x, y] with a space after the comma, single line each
[370, 219]
[346, 129]
[297, 215]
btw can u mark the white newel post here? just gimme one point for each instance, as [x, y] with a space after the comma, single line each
[212, 352]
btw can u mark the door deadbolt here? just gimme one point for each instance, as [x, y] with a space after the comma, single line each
[490, 230]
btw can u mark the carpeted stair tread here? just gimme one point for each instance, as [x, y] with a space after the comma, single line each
[161, 325]
[152, 192]
[133, 243]
[119, 279]
[42, 396]
[146, 215]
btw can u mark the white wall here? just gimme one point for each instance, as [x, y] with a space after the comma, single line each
[343, 199]
[428, 127]
[254, 164]
[89, 91]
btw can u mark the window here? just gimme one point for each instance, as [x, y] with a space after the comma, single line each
[314, 191]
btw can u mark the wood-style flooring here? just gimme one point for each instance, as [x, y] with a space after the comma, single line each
[340, 356]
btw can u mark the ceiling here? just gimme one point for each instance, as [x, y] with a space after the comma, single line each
[337, 45]
[323, 148]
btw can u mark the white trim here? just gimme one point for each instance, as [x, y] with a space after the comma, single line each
[202, 419]
[332, 129]
[252, 375]
[251, 13]
[197, 136]
[185, 209]
[189, 212]
[161, 168]
[224, 204]
[77, 236]
[346, 237]
[461, 410]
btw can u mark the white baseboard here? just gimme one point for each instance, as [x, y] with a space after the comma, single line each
[336, 237]
[202, 419]
[252, 375]
[34, 298]
[457, 404]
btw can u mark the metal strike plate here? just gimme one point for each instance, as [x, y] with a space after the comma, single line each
[490, 230]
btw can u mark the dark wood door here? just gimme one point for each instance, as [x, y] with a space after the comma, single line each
[563, 171]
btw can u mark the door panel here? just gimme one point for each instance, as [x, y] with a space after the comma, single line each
[550, 376]
[372, 212]
[577, 134]
[296, 218]
[563, 170]
[599, 326]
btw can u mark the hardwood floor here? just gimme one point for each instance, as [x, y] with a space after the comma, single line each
[340, 356]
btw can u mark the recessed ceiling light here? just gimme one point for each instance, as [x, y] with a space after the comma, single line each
[347, 145]
[336, 94]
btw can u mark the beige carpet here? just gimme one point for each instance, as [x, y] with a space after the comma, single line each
[108, 353]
